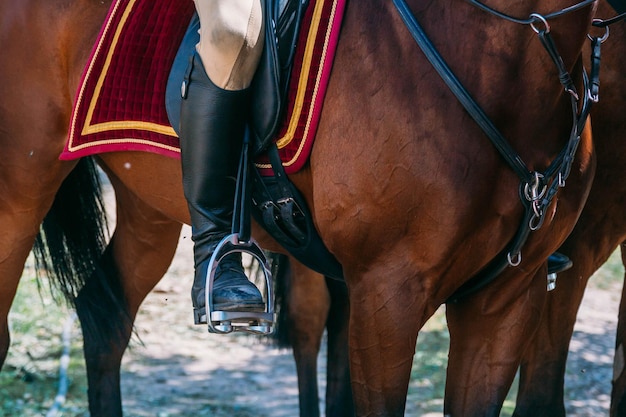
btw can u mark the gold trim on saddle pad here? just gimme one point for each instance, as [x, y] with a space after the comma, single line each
[89, 128]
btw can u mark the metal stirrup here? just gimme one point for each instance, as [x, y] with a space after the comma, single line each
[222, 322]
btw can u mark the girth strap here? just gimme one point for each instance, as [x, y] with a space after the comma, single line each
[477, 113]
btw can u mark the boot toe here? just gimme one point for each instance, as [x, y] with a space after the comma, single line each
[243, 297]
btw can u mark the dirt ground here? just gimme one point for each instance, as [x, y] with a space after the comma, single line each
[178, 369]
[182, 370]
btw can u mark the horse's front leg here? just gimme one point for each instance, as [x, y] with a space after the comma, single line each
[542, 372]
[488, 334]
[386, 313]
[138, 256]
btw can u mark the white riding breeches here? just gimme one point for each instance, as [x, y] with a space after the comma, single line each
[231, 40]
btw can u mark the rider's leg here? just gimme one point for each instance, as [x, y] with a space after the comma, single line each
[213, 115]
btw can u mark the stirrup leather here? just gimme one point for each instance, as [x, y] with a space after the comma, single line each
[223, 322]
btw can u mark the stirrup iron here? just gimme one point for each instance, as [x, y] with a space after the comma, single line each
[222, 322]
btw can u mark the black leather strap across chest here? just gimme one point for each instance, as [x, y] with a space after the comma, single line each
[537, 189]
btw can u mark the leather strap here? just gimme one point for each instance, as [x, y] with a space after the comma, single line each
[464, 97]
[537, 190]
[530, 20]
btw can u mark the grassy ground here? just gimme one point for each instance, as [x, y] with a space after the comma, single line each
[29, 378]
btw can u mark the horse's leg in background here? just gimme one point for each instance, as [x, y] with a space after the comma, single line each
[339, 401]
[140, 251]
[543, 366]
[308, 306]
[488, 333]
[618, 393]
[315, 303]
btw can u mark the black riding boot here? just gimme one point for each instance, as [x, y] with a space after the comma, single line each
[211, 133]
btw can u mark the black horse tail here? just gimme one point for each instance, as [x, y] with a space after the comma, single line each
[71, 250]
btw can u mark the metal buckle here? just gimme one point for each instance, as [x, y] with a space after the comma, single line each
[552, 281]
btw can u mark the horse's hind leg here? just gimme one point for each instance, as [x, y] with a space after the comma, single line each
[308, 310]
[15, 245]
[30, 175]
[138, 255]
[315, 303]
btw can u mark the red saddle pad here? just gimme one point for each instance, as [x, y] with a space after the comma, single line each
[120, 103]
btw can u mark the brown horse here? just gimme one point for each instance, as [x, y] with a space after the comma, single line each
[404, 188]
[599, 231]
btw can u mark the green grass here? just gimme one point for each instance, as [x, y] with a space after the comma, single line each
[610, 275]
[30, 375]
